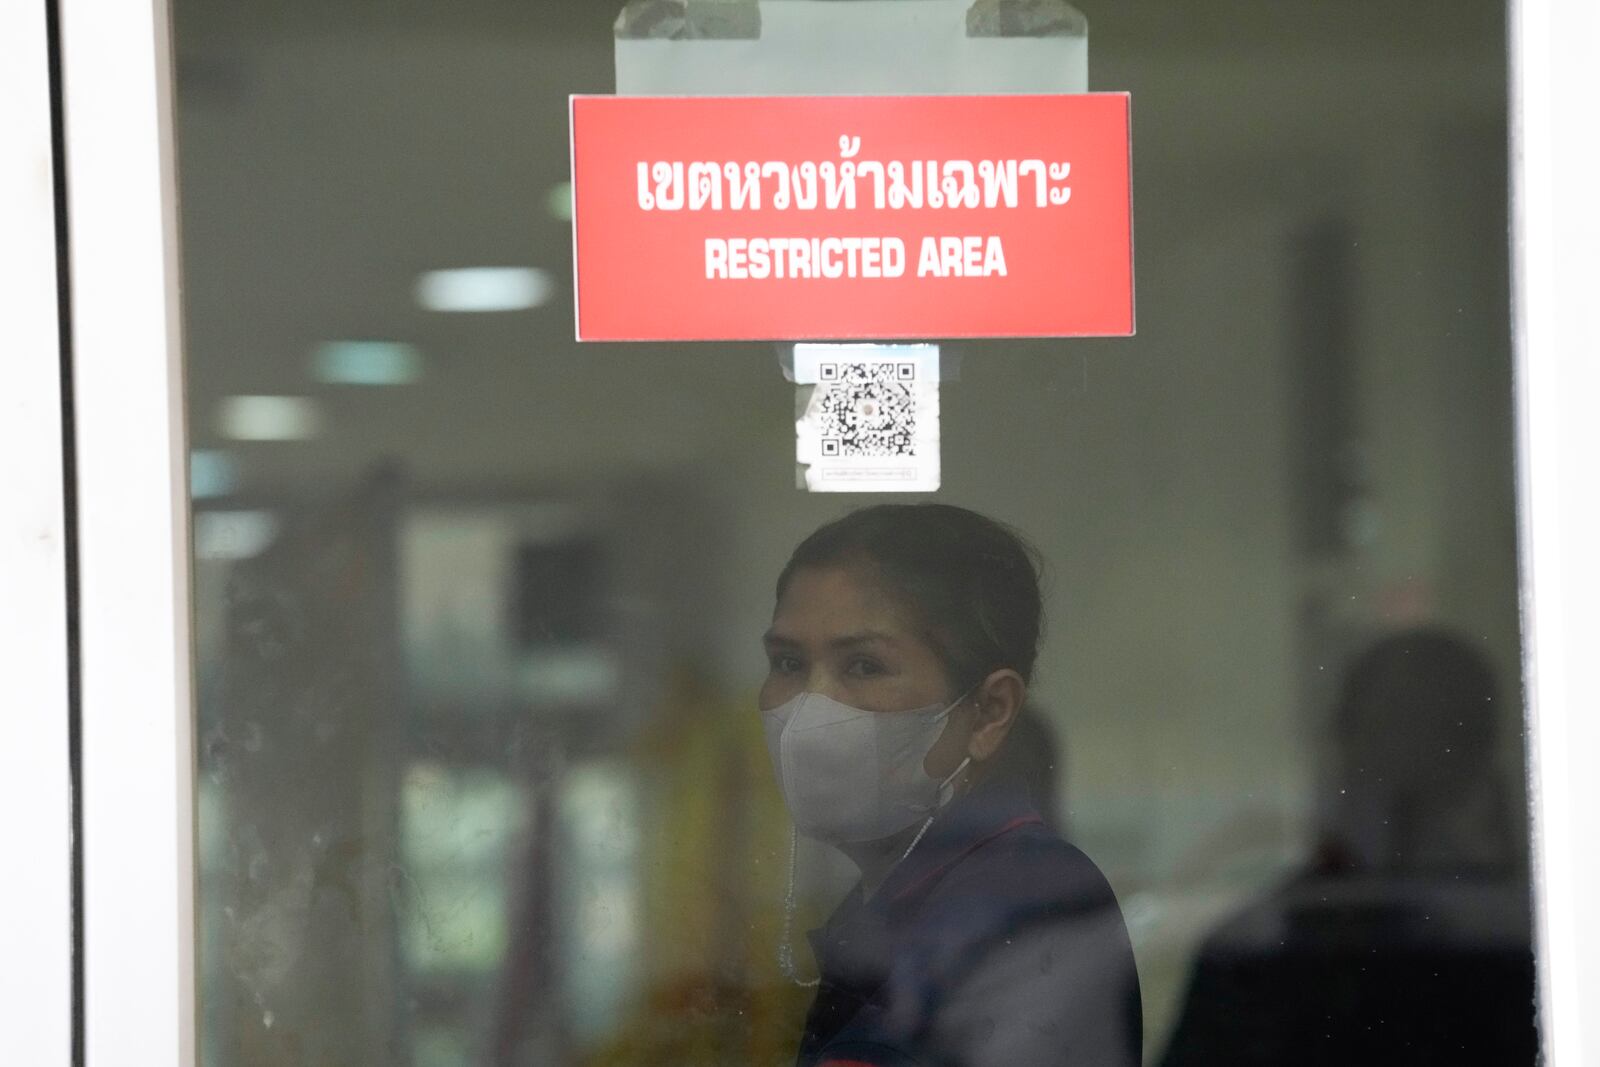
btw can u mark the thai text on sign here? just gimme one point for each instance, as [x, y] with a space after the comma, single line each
[852, 217]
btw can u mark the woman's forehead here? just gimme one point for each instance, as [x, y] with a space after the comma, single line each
[828, 601]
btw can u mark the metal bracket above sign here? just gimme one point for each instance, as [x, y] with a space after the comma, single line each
[847, 47]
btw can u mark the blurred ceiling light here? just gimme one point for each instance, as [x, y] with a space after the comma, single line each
[268, 418]
[484, 289]
[366, 363]
[233, 535]
[212, 473]
[581, 676]
[558, 201]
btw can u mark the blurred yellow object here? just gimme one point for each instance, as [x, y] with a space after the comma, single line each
[715, 855]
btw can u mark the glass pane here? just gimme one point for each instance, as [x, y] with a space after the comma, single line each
[495, 766]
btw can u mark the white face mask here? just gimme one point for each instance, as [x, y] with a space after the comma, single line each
[850, 775]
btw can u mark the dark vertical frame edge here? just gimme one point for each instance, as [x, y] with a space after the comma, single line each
[69, 482]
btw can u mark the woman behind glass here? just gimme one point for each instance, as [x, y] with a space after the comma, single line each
[901, 648]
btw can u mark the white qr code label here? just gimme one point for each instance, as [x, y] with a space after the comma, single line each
[871, 421]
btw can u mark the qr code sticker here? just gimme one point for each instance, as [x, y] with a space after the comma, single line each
[866, 418]
[868, 410]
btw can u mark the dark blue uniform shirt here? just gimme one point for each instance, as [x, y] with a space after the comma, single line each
[995, 942]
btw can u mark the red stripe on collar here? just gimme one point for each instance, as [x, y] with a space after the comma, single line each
[1020, 821]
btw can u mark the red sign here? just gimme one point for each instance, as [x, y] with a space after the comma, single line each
[852, 218]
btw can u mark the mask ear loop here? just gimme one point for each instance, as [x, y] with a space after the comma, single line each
[785, 949]
[943, 800]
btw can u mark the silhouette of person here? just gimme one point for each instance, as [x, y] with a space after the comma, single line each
[1406, 939]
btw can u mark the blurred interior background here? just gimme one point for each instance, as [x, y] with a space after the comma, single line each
[479, 608]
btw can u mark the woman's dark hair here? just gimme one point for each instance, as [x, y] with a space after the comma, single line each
[971, 582]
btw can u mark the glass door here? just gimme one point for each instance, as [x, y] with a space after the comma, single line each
[463, 655]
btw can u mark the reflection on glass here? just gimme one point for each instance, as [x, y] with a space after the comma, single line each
[366, 363]
[484, 289]
[450, 893]
[1410, 922]
[268, 418]
[225, 535]
[600, 829]
[212, 473]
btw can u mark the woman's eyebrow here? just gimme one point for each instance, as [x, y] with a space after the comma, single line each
[862, 637]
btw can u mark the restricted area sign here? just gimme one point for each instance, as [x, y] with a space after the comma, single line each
[852, 218]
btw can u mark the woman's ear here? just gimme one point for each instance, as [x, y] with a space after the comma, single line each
[998, 700]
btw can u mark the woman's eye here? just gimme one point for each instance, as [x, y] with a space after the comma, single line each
[864, 668]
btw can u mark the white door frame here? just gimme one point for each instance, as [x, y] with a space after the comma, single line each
[1555, 90]
[133, 668]
[36, 979]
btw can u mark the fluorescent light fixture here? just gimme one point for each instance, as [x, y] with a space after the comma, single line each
[558, 201]
[484, 289]
[212, 473]
[233, 535]
[366, 363]
[268, 418]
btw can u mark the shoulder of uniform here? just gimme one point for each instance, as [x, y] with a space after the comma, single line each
[1031, 865]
